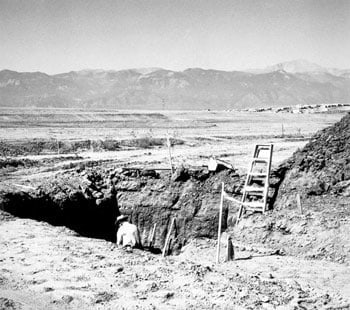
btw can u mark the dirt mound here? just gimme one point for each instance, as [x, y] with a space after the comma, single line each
[323, 166]
[320, 175]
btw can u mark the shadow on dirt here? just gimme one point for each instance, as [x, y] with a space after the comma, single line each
[77, 213]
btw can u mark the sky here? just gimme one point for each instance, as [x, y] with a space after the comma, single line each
[55, 36]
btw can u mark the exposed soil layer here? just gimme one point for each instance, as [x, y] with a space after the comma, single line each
[88, 200]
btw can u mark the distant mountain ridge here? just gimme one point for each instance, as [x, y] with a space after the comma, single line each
[195, 88]
[301, 66]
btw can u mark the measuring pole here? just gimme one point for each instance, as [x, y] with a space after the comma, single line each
[169, 149]
[220, 223]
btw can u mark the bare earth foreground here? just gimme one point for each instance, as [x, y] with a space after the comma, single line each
[46, 267]
[52, 267]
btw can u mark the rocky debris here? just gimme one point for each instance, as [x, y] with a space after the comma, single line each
[180, 175]
[104, 297]
[8, 304]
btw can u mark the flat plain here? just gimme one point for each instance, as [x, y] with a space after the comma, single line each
[232, 133]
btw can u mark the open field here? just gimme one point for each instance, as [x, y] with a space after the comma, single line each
[126, 133]
[64, 124]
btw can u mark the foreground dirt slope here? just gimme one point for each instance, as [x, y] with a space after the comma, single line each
[320, 174]
[46, 267]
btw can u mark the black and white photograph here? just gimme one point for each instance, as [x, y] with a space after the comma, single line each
[174, 154]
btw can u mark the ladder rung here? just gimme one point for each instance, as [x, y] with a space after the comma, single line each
[263, 146]
[254, 205]
[254, 209]
[260, 160]
[255, 194]
[258, 174]
[254, 189]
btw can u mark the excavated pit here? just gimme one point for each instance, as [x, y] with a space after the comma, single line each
[76, 212]
[88, 200]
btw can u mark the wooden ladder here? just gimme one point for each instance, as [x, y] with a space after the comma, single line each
[256, 187]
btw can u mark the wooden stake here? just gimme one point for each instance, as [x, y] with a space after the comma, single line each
[168, 237]
[220, 223]
[169, 150]
[24, 186]
[152, 235]
[300, 207]
[230, 254]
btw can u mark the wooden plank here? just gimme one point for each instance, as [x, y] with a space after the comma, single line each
[230, 254]
[261, 160]
[254, 189]
[300, 207]
[168, 237]
[152, 235]
[169, 150]
[224, 163]
[267, 184]
[24, 186]
[257, 174]
[144, 169]
[220, 222]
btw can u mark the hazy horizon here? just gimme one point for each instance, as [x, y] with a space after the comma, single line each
[140, 68]
[59, 36]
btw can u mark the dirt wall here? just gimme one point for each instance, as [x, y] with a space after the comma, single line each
[88, 200]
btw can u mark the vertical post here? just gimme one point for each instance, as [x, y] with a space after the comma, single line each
[300, 207]
[152, 235]
[220, 222]
[230, 254]
[168, 237]
[169, 149]
[91, 146]
[282, 131]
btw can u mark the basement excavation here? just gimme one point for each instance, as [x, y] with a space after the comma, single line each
[89, 201]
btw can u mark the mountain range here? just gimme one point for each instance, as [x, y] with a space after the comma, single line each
[289, 83]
